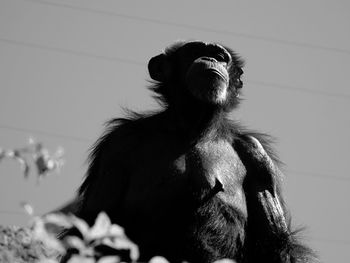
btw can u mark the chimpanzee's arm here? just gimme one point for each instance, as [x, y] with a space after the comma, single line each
[269, 238]
[107, 178]
[262, 181]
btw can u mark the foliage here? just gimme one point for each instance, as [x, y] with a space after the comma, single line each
[18, 245]
[44, 162]
[104, 242]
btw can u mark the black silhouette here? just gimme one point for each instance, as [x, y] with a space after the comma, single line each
[186, 182]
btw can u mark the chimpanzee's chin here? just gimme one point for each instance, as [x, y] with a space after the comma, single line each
[214, 92]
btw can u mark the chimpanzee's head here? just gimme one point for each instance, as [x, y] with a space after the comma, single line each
[206, 72]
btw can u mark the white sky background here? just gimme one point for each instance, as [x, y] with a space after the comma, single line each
[68, 66]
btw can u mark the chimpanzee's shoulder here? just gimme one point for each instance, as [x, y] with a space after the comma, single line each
[134, 124]
[241, 133]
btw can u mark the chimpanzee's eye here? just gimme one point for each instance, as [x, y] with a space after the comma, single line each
[222, 57]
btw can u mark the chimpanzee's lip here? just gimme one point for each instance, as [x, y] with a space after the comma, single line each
[217, 72]
[209, 70]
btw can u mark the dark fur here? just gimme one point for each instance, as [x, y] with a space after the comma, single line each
[176, 220]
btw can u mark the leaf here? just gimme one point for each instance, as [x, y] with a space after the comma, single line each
[59, 152]
[47, 260]
[58, 219]
[158, 259]
[225, 260]
[81, 259]
[81, 225]
[100, 228]
[23, 163]
[40, 233]
[116, 230]
[123, 244]
[109, 259]
[27, 208]
[2, 154]
[75, 242]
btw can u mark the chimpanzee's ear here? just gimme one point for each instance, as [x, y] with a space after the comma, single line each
[159, 68]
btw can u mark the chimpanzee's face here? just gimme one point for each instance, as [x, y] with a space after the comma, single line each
[206, 71]
[209, 71]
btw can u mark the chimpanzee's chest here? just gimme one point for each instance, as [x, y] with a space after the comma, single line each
[209, 161]
[165, 175]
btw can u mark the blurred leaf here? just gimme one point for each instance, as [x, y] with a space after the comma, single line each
[116, 230]
[58, 219]
[225, 260]
[80, 259]
[109, 259]
[40, 233]
[22, 161]
[27, 208]
[81, 225]
[47, 260]
[2, 154]
[123, 244]
[75, 242]
[101, 227]
[158, 259]
[44, 162]
[31, 141]
[59, 152]
[102, 239]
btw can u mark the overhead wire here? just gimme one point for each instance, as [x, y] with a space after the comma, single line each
[50, 134]
[319, 175]
[86, 140]
[194, 27]
[122, 60]
[134, 62]
[129, 61]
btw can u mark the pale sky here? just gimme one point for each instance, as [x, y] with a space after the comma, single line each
[68, 66]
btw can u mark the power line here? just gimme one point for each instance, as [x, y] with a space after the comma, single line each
[121, 60]
[63, 136]
[133, 62]
[9, 212]
[298, 89]
[199, 28]
[328, 240]
[319, 175]
[68, 51]
[74, 138]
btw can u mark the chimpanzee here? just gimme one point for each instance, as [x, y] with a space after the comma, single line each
[186, 182]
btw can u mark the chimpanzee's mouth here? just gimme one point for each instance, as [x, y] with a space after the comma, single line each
[216, 73]
[208, 80]
[208, 69]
